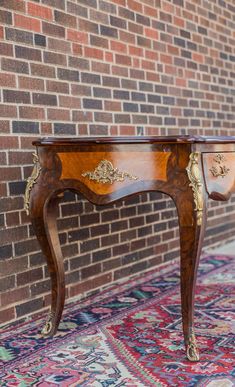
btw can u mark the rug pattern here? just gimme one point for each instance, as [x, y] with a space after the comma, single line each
[131, 335]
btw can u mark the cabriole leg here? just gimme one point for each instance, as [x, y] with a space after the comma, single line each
[43, 215]
[191, 229]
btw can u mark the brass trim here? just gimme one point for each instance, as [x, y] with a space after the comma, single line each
[219, 170]
[48, 325]
[192, 350]
[106, 173]
[194, 175]
[31, 181]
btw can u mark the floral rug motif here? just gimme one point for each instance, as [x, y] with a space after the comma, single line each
[131, 336]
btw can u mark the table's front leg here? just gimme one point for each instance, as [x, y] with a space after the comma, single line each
[43, 214]
[191, 207]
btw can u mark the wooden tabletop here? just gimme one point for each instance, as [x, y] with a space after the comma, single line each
[134, 139]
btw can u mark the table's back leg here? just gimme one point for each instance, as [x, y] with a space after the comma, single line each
[44, 215]
[191, 230]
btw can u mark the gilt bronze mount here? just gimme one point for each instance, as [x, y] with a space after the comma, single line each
[218, 169]
[194, 176]
[106, 173]
[31, 181]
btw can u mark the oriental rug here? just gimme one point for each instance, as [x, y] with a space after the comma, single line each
[131, 335]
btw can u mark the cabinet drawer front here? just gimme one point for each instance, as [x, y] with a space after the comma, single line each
[106, 172]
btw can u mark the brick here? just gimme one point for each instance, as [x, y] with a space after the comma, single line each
[91, 271]
[7, 315]
[8, 111]
[31, 113]
[77, 36]
[59, 45]
[15, 66]
[85, 25]
[79, 63]
[29, 276]
[30, 83]
[107, 7]
[135, 6]
[77, 9]
[54, 3]
[28, 53]
[8, 142]
[102, 68]
[9, 173]
[102, 92]
[108, 31]
[60, 115]
[14, 296]
[57, 87]
[68, 129]
[28, 23]
[25, 127]
[92, 104]
[94, 53]
[82, 260]
[6, 252]
[3, 189]
[40, 11]
[7, 283]
[100, 17]
[17, 5]
[130, 107]
[3, 158]
[40, 287]
[65, 19]
[81, 116]
[29, 307]
[126, 13]
[141, 19]
[69, 102]
[54, 58]
[13, 266]
[99, 129]
[101, 255]
[90, 78]
[118, 22]
[40, 40]
[121, 94]
[102, 117]
[19, 35]
[123, 60]
[5, 17]
[7, 80]
[1, 32]
[89, 245]
[69, 75]
[15, 96]
[53, 30]
[112, 106]
[17, 188]
[44, 99]
[77, 49]
[42, 70]
[93, 283]
[6, 49]
[89, 3]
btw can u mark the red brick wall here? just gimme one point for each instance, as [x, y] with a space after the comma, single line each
[96, 67]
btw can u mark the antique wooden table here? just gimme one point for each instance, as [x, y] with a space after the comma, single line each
[187, 168]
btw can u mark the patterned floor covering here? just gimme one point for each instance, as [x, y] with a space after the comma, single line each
[131, 336]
